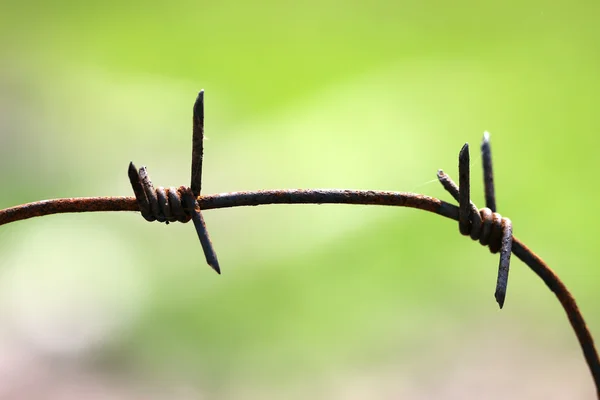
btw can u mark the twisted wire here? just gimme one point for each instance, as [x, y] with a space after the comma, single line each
[484, 226]
[160, 204]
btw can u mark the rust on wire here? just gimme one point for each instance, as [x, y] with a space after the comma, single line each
[185, 203]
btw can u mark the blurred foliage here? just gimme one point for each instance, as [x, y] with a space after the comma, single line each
[377, 95]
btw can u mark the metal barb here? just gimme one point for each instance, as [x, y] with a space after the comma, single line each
[484, 225]
[464, 182]
[197, 144]
[150, 195]
[200, 225]
[170, 205]
[488, 173]
[138, 190]
[196, 181]
[506, 224]
[504, 265]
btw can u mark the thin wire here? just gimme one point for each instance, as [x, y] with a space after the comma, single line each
[236, 199]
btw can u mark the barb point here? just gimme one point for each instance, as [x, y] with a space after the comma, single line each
[500, 297]
[464, 152]
[216, 268]
[199, 106]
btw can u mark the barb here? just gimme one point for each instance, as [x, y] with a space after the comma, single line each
[197, 144]
[198, 219]
[496, 232]
[170, 205]
[488, 173]
[464, 200]
[185, 203]
[196, 182]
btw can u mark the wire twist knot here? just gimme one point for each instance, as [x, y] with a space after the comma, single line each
[487, 227]
[160, 204]
[491, 230]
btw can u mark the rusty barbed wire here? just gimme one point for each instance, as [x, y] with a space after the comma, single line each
[170, 205]
[184, 203]
[485, 225]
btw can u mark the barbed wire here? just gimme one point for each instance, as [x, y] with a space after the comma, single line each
[184, 203]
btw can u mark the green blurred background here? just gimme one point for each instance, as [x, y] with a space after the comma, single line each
[324, 302]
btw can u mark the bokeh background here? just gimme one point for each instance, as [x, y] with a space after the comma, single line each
[323, 302]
